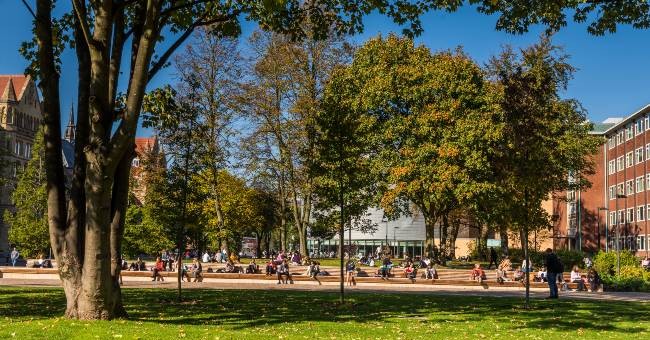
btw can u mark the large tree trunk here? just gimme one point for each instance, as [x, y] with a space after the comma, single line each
[453, 235]
[429, 226]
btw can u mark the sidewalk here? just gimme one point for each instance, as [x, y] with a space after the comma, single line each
[365, 288]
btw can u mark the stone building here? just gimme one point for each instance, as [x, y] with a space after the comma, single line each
[20, 117]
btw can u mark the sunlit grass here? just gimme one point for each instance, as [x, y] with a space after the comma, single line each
[247, 314]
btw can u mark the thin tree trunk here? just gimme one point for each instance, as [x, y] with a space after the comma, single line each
[503, 233]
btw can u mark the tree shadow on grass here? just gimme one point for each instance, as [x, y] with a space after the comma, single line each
[239, 309]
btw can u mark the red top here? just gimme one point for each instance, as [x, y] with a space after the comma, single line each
[159, 265]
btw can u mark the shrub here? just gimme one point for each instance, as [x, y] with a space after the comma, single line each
[571, 258]
[605, 262]
[632, 279]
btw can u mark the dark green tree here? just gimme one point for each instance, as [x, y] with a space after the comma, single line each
[546, 146]
[28, 222]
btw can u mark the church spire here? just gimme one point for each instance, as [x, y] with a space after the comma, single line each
[70, 129]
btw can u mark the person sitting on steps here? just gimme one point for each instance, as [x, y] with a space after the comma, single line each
[430, 272]
[158, 267]
[196, 270]
[478, 274]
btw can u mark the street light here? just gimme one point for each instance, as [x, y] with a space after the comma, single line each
[598, 225]
[618, 234]
[395, 241]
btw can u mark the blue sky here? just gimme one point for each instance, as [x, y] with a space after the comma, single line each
[612, 78]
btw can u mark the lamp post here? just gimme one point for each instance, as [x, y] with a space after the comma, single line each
[395, 241]
[618, 234]
[598, 225]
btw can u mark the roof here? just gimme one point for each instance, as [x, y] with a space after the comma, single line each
[144, 144]
[19, 82]
[600, 128]
[67, 151]
[645, 109]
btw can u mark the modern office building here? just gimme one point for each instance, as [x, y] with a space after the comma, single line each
[614, 212]
[404, 235]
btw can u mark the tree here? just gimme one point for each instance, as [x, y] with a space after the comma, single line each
[211, 65]
[340, 168]
[282, 100]
[175, 116]
[28, 224]
[432, 124]
[546, 137]
[146, 227]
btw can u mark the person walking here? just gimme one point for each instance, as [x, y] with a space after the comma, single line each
[15, 255]
[553, 268]
[493, 258]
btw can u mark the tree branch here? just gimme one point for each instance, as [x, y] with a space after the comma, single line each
[160, 63]
[80, 10]
[29, 8]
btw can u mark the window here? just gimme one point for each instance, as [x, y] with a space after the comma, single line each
[639, 184]
[619, 137]
[571, 196]
[629, 187]
[620, 190]
[629, 217]
[620, 218]
[640, 242]
[619, 164]
[612, 192]
[611, 143]
[17, 148]
[639, 126]
[628, 132]
[629, 159]
[647, 151]
[612, 218]
[638, 153]
[612, 167]
[640, 213]
[647, 121]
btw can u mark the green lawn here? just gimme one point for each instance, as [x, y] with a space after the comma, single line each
[28, 313]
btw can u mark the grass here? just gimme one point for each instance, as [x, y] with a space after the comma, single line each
[29, 313]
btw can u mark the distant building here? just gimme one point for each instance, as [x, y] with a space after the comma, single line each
[406, 234]
[614, 213]
[20, 117]
[147, 149]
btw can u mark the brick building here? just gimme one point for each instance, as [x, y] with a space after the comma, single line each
[20, 116]
[616, 209]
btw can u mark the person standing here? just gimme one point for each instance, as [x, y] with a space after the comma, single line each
[15, 255]
[493, 258]
[553, 269]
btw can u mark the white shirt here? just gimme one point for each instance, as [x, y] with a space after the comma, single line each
[206, 258]
[575, 275]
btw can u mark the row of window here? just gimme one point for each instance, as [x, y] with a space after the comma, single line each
[22, 149]
[630, 187]
[630, 159]
[630, 242]
[641, 213]
[631, 129]
[21, 120]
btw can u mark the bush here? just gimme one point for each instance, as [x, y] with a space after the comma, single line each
[632, 279]
[571, 258]
[517, 257]
[605, 262]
